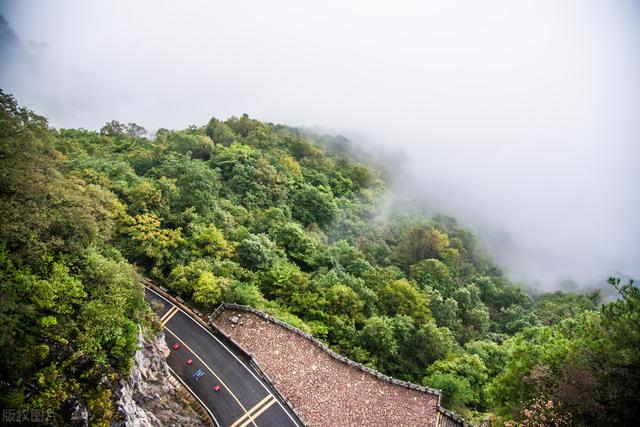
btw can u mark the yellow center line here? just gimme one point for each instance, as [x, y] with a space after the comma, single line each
[257, 405]
[168, 311]
[165, 298]
[210, 370]
[257, 414]
[167, 318]
[173, 308]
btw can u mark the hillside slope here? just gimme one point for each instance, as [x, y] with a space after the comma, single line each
[263, 215]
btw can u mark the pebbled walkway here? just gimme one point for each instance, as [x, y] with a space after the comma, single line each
[323, 390]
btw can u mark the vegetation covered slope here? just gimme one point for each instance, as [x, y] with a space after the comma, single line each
[258, 214]
[69, 301]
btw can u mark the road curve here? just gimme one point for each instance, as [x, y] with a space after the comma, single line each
[244, 399]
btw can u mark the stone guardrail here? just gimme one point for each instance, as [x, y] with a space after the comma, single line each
[449, 419]
[326, 349]
[256, 366]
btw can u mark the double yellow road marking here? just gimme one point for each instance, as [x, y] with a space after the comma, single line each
[168, 315]
[251, 415]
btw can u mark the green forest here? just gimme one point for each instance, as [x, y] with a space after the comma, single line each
[291, 223]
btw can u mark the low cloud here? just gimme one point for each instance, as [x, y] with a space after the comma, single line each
[521, 119]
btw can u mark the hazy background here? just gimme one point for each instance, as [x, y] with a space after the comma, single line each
[521, 118]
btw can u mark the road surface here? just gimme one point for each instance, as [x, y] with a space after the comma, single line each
[244, 398]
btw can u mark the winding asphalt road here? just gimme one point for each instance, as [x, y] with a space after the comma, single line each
[244, 398]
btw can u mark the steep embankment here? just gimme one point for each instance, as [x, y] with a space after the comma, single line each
[263, 215]
[147, 397]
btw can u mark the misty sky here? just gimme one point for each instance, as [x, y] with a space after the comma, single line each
[521, 118]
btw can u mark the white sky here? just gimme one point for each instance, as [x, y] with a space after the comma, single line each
[519, 117]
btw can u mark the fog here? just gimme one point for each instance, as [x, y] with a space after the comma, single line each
[522, 119]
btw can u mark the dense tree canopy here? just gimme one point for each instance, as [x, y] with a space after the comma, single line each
[70, 301]
[266, 215]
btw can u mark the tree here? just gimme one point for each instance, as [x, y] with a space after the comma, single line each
[289, 222]
[256, 252]
[113, 128]
[456, 390]
[473, 313]
[197, 146]
[256, 185]
[219, 132]
[345, 301]
[153, 244]
[342, 333]
[197, 184]
[341, 253]
[268, 221]
[515, 318]
[467, 366]
[243, 125]
[493, 355]
[445, 311]
[402, 297]
[314, 205]
[143, 197]
[134, 130]
[283, 279]
[296, 242]
[554, 307]
[248, 294]
[288, 166]
[431, 343]
[119, 130]
[433, 274]
[207, 290]
[227, 159]
[210, 241]
[301, 148]
[377, 336]
[69, 300]
[532, 350]
[420, 243]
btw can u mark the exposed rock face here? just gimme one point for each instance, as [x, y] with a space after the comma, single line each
[79, 415]
[147, 398]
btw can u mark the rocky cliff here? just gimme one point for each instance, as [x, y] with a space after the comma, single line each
[147, 397]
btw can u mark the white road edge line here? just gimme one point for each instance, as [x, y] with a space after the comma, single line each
[194, 395]
[230, 352]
